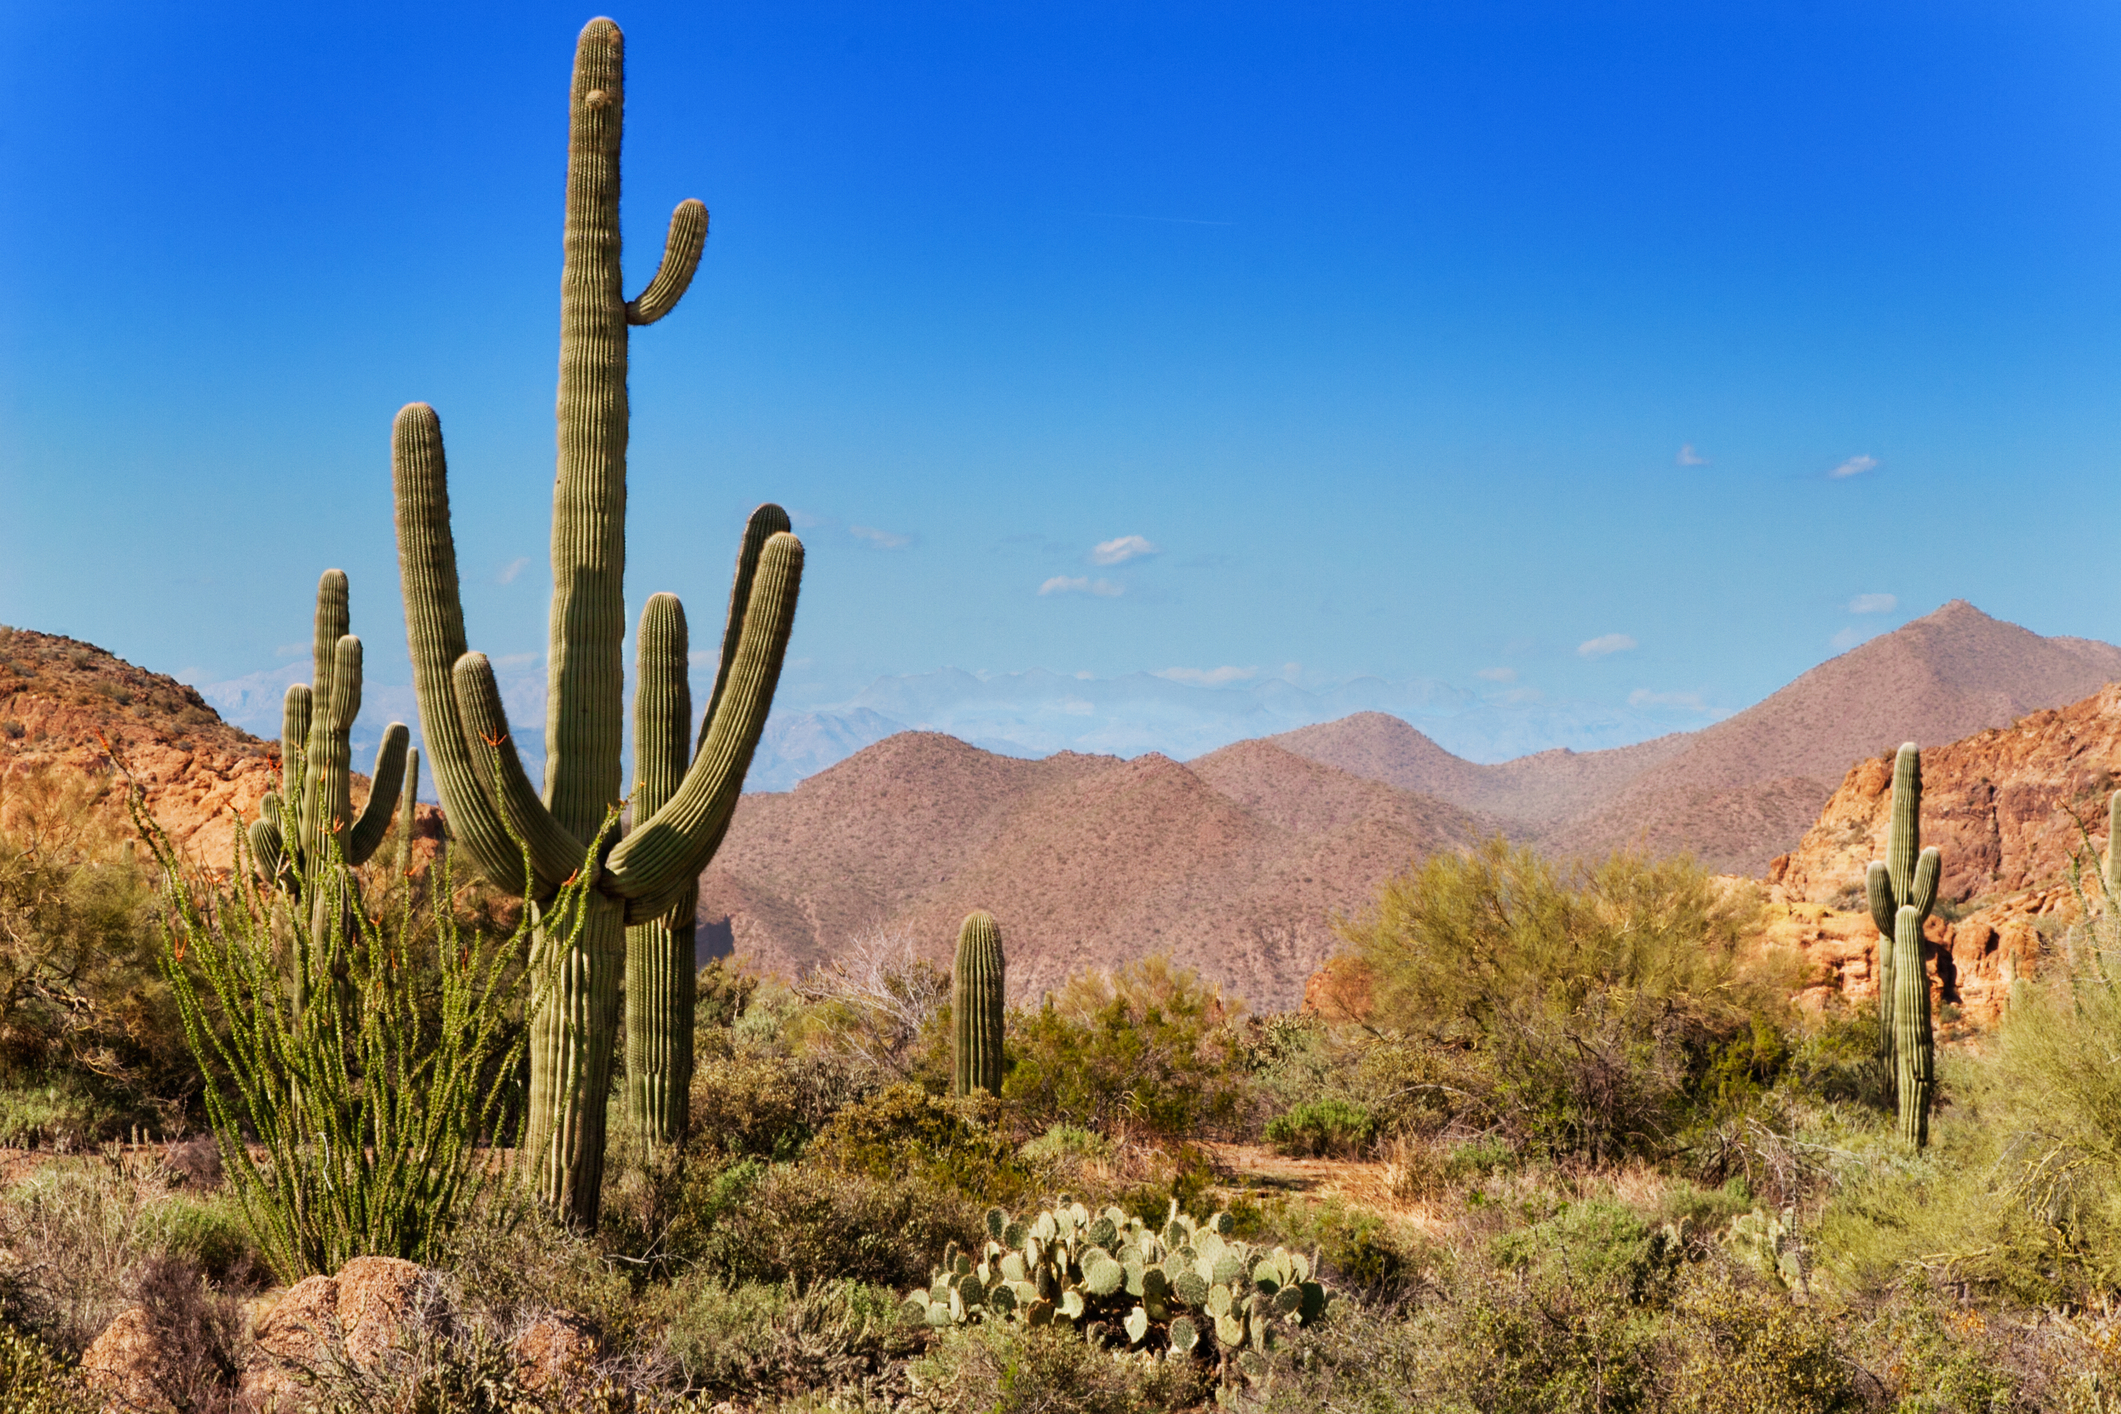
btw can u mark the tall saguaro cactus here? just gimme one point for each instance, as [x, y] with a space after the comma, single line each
[1904, 883]
[659, 953]
[493, 809]
[315, 799]
[976, 1007]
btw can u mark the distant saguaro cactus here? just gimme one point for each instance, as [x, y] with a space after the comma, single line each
[494, 812]
[976, 1007]
[1905, 881]
[315, 799]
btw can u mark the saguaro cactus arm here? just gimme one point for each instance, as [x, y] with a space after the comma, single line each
[764, 523]
[670, 848]
[434, 630]
[659, 950]
[385, 784]
[681, 257]
[1906, 835]
[554, 854]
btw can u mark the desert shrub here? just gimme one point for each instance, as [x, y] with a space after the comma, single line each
[197, 1333]
[765, 1340]
[1744, 1349]
[1836, 1059]
[34, 1381]
[1598, 1000]
[1359, 1249]
[880, 1003]
[1007, 1368]
[1063, 1142]
[1598, 1246]
[1147, 1049]
[720, 995]
[806, 1224]
[949, 1143]
[752, 1104]
[511, 1261]
[89, 1038]
[1317, 1128]
[1532, 1344]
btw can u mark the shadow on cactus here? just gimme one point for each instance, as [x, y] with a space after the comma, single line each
[1185, 1290]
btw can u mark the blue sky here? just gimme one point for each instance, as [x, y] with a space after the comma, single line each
[1403, 340]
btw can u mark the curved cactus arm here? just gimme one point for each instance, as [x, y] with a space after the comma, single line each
[1878, 891]
[1907, 820]
[681, 257]
[555, 855]
[667, 851]
[1929, 867]
[327, 808]
[265, 843]
[766, 522]
[333, 622]
[434, 631]
[384, 784]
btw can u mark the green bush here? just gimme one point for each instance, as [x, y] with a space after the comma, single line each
[1598, 1246]
[1744, 1349]
[1005, 1368]
[805, 1224]
[759, 1339]
[34, 1381]
[1317, 1128]
[1147, 1049]
[1598, 1001]
[950, 1143]
[753, 1104]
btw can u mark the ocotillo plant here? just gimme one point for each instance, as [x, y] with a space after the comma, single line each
[1905, 878]
[1914, 1047]
[502, 822]
[976, 1007]
[315, 798]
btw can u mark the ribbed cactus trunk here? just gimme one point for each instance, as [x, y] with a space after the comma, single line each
[976, 1007]
[659, 968]
[1914, 1047]
[502, 822]
[1904, 883]
[408, 812]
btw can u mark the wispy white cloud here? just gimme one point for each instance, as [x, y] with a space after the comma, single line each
[1643, 697]
[1854, 466]
[1497, 675]
[1873, 604]
[1851, 636]
[1209, 677]
[1689, 457]
[1604, 644]
[881, 539]
[1120, 550]
[513, 568]
[1081, 584]
[803, 520]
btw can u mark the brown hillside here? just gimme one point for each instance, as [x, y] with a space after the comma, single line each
[1744, 790]
[62, 700]
[1235, 868]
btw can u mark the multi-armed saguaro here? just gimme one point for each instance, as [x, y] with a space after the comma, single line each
[681, 808]
[315, 799]
[976, 1007]
[1902, 889]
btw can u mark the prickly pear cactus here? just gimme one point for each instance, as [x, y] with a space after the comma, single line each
[1187, 1289]
[1768, 1243]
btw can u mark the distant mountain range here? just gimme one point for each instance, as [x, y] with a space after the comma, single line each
[1238, 861]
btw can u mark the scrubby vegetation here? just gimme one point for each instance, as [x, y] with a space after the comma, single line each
[1579, 1154]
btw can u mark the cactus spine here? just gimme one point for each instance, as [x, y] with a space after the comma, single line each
[976, 1007]
[315, 799]
[1903, 883]
[495, 814]
[1914, 1048]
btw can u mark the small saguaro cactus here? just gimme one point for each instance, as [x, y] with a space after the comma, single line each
[681, 809]
[1905, 878]
[976, 1007]
[408, 811]
[1914, 1047]
[315, 799]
